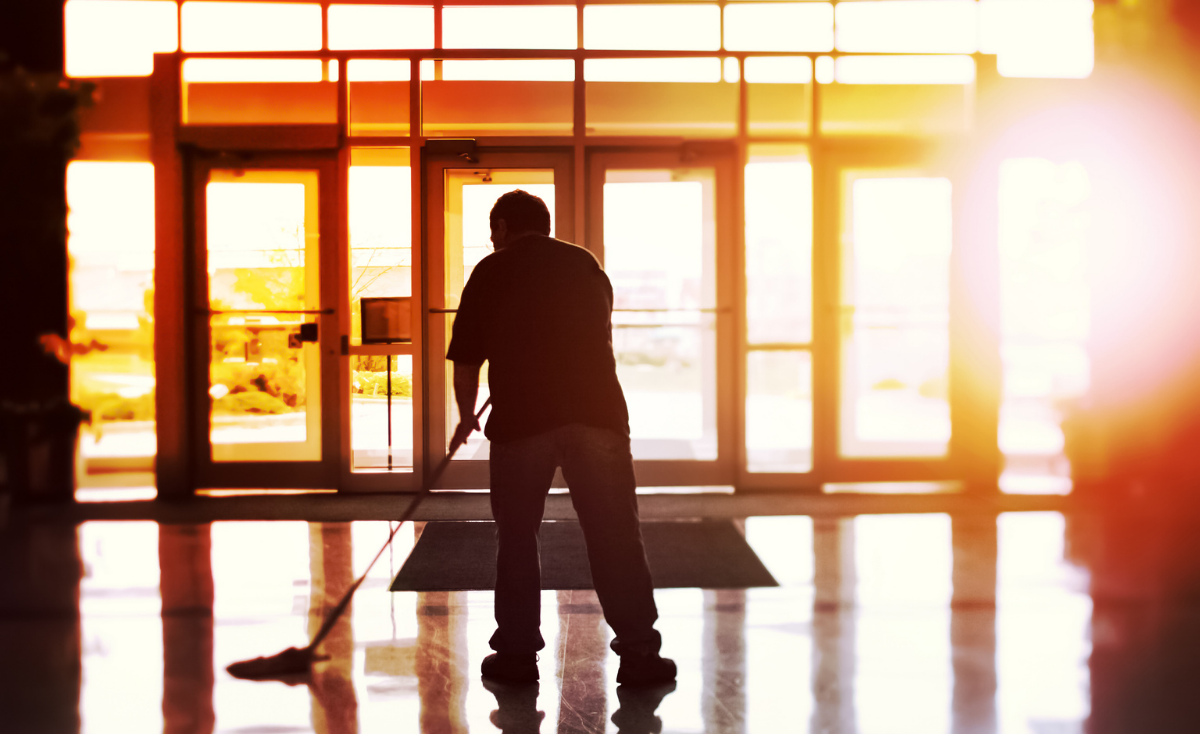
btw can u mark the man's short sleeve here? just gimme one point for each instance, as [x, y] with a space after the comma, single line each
[468, 342]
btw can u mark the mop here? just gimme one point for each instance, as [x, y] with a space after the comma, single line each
[294, 662]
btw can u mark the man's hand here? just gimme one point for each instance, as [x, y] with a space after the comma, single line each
[469, 425]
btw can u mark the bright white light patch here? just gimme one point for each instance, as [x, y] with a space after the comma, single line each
[252, 70]
[908, 26]
[542, 26]
[652, 27]
[379, 70]
[779, 69]
[652, 70]
[905, 70]
[1039, 38]
[380, 26]
[117, 37]
[779, 27]
[531, 70]
[236, 26]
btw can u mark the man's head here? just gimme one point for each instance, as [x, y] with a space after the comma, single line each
[516, 214]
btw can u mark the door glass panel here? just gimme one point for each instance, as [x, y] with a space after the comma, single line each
[778, 309]
[111, 246]
[659, 252]
[779, 411]
[895, 311]
[380, 214]
[374, 443]
[470, 195]
[264, 384]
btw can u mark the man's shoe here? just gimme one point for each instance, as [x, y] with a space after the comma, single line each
[510, 667]
[645, 670]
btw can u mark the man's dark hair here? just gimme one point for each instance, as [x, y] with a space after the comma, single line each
[522, 212]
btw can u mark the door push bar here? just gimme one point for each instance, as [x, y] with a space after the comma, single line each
[216, 312]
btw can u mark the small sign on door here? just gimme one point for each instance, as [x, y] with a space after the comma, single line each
[386, 320]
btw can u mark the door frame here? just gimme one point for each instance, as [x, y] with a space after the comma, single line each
[722, 159]
[281, 475]
[434, 385]
[967, 329]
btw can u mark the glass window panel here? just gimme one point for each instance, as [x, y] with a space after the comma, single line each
[905, 70]
[467, 107]
[514, 26]
[256, 91]
[824, 68]
[779, 69]
[908, 26]
[380, 26]
[369, 428]
[659, 253]
[1044, 309]
[380, 214]
[779, 27]
[1033, 38]
[117, 37]
[111, 248]
[732, 71]
[778, 246]
[531, 70]
[652, 27]
[379, 94]
[263, 255]
[779, 411]
[237, 26]
[659, 97]
[252, 70]
[470, 196]
[779, 95]
[895, 300]
[652, 70]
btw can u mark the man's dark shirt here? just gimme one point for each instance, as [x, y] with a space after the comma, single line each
[540, 312]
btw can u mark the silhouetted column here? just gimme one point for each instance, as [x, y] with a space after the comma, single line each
[582, 650]
[186, 585]
[724, 660]
[40, 635]
[335, 706]
[834, 625]
[973, 624]
[441, 663]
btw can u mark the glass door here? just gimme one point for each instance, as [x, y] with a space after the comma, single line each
[889, 275]
[460, 198]
[658, 226]
[265, 330]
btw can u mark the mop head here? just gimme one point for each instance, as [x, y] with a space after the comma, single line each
[289, 664]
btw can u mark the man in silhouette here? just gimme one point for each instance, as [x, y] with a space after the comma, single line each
[539, 311]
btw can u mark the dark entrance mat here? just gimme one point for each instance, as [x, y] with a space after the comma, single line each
[461, 556]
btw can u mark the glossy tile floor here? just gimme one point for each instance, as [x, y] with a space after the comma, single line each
[881, 624]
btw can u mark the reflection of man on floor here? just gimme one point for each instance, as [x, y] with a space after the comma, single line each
[539, 311]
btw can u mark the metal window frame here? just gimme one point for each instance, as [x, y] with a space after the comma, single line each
[168, 134]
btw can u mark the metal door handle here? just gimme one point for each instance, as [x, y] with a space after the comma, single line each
[215, 312]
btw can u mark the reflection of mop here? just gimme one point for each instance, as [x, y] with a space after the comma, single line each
[298, 661]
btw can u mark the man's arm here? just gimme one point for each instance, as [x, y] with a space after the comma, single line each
[466, 392]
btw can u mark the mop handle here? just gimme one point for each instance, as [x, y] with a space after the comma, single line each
[333, 616]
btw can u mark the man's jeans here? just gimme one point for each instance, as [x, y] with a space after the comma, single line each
[598, 467]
